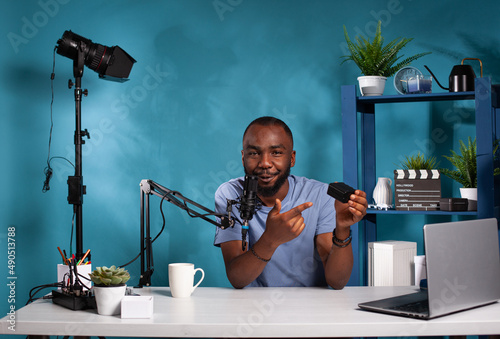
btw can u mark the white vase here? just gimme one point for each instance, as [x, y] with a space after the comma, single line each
[108, 299]
[371, 85]
[382, 194]
[471, 195]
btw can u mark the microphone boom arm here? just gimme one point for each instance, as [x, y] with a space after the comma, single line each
[149, 187]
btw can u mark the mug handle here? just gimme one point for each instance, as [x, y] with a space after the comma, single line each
[201, 279]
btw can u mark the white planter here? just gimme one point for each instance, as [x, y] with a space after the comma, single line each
[471, 195]
[371, 85]
[108, 299]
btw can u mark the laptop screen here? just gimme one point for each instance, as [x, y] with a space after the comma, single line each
[463, 265]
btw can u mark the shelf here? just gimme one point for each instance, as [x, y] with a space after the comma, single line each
[358, 135]
[446, 96]
[359, 154]
[388, 212]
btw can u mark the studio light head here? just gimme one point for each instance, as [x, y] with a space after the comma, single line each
[111, 63]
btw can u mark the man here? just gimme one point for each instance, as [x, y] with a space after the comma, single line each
[300, 236]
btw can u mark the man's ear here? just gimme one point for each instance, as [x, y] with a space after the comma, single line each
[242, 158]
[292, 161]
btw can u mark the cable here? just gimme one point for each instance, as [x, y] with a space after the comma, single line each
[48, 171]
[75, 277]
[170, 196]
[52, 77]
[175, 202]
[72, 229]
[161, 230]
[78, 280]
[184, 205]
[39, 288]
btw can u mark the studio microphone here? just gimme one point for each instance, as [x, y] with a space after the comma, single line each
[248, 203]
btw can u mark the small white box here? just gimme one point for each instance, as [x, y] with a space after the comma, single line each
[390, 263]
[84, 270]
[137, 307]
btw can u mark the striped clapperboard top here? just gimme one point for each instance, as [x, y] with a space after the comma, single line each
[416, 174]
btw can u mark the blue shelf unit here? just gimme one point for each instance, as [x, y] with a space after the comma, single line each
[358, 135]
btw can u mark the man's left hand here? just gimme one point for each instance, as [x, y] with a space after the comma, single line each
[352, 211]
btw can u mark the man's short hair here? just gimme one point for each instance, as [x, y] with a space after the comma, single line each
[270, 121]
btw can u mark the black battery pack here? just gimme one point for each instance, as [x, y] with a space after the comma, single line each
[453, 204]
[340, 191]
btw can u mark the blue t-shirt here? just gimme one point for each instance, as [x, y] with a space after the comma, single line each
[295, 263]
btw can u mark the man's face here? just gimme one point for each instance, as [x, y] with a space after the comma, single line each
[268, 153]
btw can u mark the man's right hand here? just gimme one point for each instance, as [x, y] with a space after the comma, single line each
[243, 267]
[283, 227]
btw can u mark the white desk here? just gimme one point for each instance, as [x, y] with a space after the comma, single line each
[254, 312]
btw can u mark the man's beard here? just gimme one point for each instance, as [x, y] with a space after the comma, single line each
[270, 191]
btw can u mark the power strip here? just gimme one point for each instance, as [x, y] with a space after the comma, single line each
[72, 301]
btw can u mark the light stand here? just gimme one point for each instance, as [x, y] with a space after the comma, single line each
[111, 63]
[76, 189]
[149, 187]
[74, 299]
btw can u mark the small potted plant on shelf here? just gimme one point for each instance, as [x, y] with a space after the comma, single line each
[418, 173]
[419, 162]
[109, 288]
[376, 61]
[465, 172]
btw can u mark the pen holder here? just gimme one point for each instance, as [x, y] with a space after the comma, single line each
[83, 270]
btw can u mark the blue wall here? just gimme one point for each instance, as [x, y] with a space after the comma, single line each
[205, 69]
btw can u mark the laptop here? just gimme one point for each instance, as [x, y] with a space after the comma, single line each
[463, 271]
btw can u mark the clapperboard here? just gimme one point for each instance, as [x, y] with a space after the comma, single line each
[417, 190]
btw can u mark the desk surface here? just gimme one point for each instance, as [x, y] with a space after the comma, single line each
[254, 312]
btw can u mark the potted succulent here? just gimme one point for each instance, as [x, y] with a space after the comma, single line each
[376, 61]
[465, 172]
[109, 288]
[418, 174]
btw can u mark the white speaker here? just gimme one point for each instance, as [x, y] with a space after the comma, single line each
[391, 263]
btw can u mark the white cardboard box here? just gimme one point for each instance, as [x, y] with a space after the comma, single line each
[390, 263]
[137, 307]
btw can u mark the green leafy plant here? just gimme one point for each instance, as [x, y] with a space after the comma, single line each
[373, 58]
[465, 164]
[109, 276]
[419, 162]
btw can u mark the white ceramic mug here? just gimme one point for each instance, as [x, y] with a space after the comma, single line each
[181, 279]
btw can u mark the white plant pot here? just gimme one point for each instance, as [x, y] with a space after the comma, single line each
[471, 195]
[108, 299]
[371, 85]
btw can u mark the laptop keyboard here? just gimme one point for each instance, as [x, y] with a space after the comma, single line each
[415, 307]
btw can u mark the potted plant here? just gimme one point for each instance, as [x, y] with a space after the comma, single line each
[376, 61]
[109, 288]
[465, 172]
[419, 162]
[418, 174]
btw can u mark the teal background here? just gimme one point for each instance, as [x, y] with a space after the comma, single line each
[204, 70]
